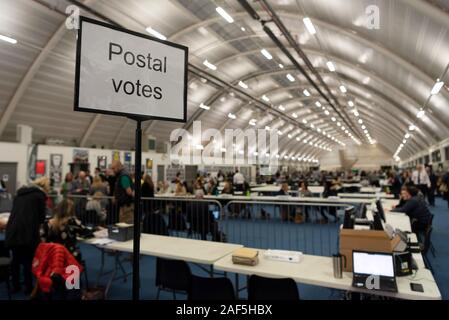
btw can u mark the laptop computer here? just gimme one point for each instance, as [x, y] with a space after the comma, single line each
[373, 270]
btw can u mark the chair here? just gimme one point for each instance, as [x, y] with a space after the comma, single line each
[211, 289]
[154, 223]
[5, 267]
[172, 275]
[261, 288]
[89, 217]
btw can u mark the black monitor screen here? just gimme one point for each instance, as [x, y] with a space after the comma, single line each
[377, 225]
[348, 222]
[380, 210]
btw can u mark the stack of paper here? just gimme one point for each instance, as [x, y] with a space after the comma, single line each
[283, 255]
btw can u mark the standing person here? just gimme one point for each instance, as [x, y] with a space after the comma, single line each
[445, 186]
[433, 186]
[22, 230]
[393, 180]
[67, 187]
[123, 193]
[421, 179]
[147, 192]
[238, 180]
[80, 189]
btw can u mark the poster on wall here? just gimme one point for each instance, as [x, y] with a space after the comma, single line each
[31, 168]
[115, 155]
[56, 169]
[149, 167]
[127, 162]
[102, 162]
[40, 168]
[80, 155]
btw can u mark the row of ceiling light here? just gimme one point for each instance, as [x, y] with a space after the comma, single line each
[439, 84]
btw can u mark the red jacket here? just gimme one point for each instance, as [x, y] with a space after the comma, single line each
[52, 258]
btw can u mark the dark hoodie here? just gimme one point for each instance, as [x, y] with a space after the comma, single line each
[28, 213]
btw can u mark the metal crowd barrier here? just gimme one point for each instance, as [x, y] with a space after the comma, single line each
[309, 227]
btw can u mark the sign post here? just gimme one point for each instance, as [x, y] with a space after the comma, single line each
[125, 73]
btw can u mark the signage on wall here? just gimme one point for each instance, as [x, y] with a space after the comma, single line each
[122, 72]
[40, 168]
[80, 155]
[56, 169]
[115, 155]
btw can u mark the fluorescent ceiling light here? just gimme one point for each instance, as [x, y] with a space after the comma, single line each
[420, 114]
[304, 121]
[156, 33]
[407, 135]
[412, 127]
[224, 14]
[281, 66]
[363, 127]
[281, 107]
[8, 39]
[437, 87]
[210, 65]
[338, 124]
[289, 136]
[343, 89]
[265, 98]
[333, 119]
[294, 115]
[290, 77]
[309, 25]
[203, 106]
[267, 128]
[330, 66]
[298, 139]
[232, 116]
[326, 113]
[350, 103]
[223, 149]
[243, 85]
[266, 54]
[306, 93]
[199, 147]
[280, 132]
[318, 104]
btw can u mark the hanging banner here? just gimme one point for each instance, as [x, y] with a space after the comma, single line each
[122, 72]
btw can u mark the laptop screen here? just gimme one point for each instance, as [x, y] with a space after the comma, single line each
[373, 264]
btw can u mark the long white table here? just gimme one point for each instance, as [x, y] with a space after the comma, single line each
[318, 271]
[191, 250]
[226, 197]
[366, 195]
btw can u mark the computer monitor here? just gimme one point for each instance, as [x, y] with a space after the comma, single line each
[348, 222]
[380, 209]
[373, 263]
[362, 211]
[377, 225]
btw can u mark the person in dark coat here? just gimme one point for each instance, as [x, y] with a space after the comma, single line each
[147, 191]
[22, 230]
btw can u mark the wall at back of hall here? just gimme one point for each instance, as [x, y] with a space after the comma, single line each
[18, 153]
[365, 157]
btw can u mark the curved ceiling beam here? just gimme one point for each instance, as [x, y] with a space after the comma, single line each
[340, 30]
[28, 77]
[347, 64]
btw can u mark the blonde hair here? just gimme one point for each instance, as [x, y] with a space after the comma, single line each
[63, 212]
[43, 182]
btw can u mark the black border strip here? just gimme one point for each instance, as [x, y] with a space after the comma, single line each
[137, 34]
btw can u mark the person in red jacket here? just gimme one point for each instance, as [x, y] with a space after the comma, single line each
[50, 259]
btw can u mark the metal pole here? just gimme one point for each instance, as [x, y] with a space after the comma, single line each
[137, 187]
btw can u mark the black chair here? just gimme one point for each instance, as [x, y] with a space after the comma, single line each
[172, 275]
[261, 288]
[154, 223]
[352, 189]
[89, 217]
[5, 267]
[211, 289]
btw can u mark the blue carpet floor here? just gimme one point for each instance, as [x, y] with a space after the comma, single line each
[309, 238]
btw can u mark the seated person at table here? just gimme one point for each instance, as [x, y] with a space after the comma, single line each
[284, 190]
[64, 228]
[227, 188]
[94, 204]
[201, 220]
[415, 207]
[180, 189]
[304, 191]
[212, 188]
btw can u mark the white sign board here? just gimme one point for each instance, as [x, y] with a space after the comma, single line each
[122, 72]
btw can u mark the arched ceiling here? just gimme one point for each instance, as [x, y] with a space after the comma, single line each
[388, 72]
